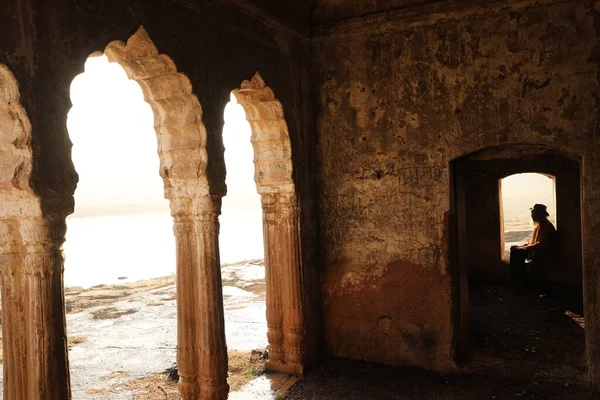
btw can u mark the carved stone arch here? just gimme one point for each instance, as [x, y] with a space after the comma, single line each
[201, 349]
[33, 315]
[281, 224]
[177, 114]
[270, 136]
[15, 151]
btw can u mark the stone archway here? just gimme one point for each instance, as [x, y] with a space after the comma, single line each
[201, 349]
[281, 229]
[35, 357]
[476, 218]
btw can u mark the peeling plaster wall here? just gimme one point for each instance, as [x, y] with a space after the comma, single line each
[214, 43]
[398, 100]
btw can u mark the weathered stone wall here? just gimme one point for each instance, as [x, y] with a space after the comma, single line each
[216, 44]
[401, 95]
[333, 10]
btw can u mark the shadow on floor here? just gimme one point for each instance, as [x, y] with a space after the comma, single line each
[346, 379]
[526, 342]
[527, 331]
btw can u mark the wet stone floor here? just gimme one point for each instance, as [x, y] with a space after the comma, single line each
[123, 337]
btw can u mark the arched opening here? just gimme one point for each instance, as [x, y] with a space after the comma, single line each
[241, 236]
[241, 250]
[516, 191]
[532, 321]
[120, 236]
[177, 123]
[119, 201]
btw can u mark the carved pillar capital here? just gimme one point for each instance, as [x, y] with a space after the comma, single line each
[274, 202]
[206, 207]
[10, 241]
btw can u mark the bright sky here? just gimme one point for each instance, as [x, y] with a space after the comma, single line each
[115, 148]
[114, 143]
[239, 156]
[241, 235]
[521, 191]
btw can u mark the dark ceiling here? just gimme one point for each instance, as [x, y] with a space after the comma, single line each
[308, 12]
[335, 10]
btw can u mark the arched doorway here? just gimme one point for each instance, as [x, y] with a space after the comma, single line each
[119, 236]
[482, 277]
[201, 350]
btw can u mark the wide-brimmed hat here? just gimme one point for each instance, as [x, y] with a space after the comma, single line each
[539, 209]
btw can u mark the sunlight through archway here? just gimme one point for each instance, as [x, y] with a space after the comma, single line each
[241, 239]
[241, 236]
[518, 193]
[121, 230]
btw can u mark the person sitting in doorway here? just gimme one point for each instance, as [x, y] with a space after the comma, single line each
[539, 245]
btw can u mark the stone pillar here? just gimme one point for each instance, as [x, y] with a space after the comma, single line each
[201, 350]
[285, 318]
[272, 279]
[33, 309]
[291, 284]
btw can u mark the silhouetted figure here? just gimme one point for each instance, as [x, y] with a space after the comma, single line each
[537, 247]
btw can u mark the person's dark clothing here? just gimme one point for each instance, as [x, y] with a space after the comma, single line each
[537, 249]
[518, 255]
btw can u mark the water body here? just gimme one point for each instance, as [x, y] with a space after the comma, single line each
[128, 248]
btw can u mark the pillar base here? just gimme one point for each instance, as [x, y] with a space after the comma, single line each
[288, 368]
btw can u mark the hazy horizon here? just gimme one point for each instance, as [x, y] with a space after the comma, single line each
[121, 229]
[520, 192]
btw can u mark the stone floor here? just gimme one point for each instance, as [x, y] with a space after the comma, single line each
[122, 333]
[526, 343]
[272, 385]
[355, 380]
